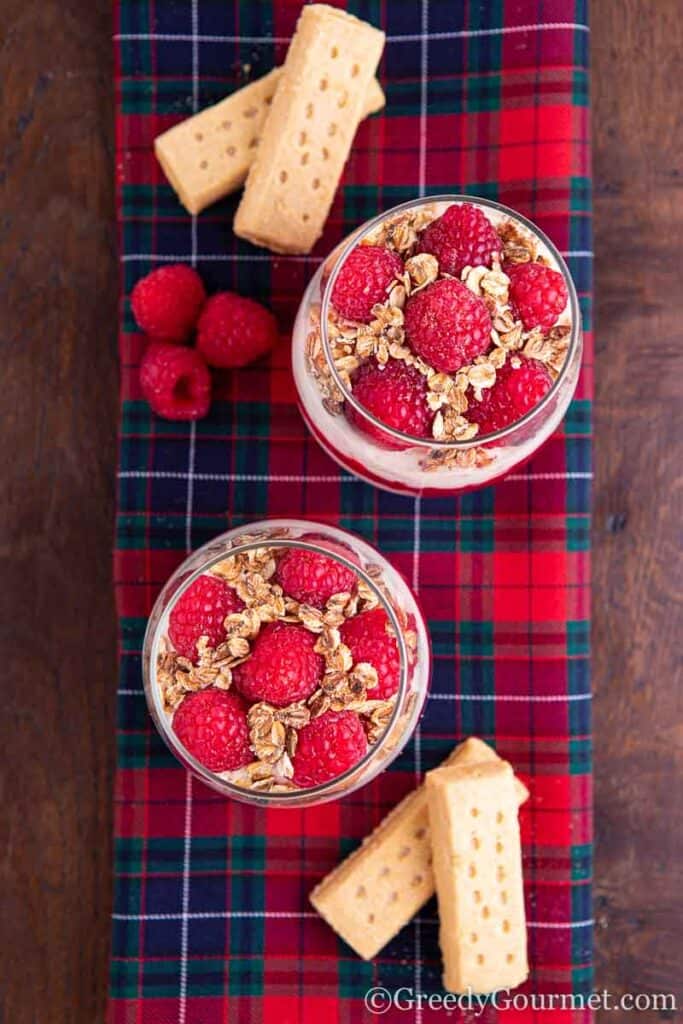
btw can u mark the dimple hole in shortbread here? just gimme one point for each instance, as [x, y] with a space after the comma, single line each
[477, 895]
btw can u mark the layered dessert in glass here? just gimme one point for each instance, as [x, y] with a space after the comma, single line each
[438, 347]
[286, 663]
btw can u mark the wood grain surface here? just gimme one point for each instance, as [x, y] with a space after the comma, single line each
[57, 462]
[637, 577]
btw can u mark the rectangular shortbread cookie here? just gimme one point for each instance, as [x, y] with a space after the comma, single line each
[207, 156]
[478, 870]
[308, 133]
[372, 894]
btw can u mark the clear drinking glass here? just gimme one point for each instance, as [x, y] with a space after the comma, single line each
[395, 597]
[424, 465]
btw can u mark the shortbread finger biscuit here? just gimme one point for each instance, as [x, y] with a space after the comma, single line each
[371, 895]
[207, 156]
[478, 870]
[308, 133]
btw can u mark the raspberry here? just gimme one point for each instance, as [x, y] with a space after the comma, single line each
[167, 302]
[515, 392]
[175, 381]
[367, 638]
[311, 577]
[212, 725]
[283, 666]
[538, 294]
[233, 330]
[397, 395]
[461, 237]
[363, 281]
[447, 325]
[201, 611]
[328, 746]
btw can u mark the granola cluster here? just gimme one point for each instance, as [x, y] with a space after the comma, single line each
[344, 685]
[449, 396]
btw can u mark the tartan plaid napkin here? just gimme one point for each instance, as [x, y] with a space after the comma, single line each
[211, 919]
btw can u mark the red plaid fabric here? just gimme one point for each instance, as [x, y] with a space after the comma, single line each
[211, 918]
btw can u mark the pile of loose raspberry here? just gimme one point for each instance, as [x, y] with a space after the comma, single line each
[171, 307]
[442, 324]
[279, 668]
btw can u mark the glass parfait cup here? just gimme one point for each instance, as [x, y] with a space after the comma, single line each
[392, 594]
[407, 464]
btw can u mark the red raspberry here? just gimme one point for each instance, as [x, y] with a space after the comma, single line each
[175, 381]
[283, 666]
[366, 637]
[462, 237]
[515, 392]
[538, 294]
[447, 325]
[397, 395]
[167, 302]
[328, 746]
[212, 725]
[312, 578]
[233, 330]
[201, 611]
[363, 281]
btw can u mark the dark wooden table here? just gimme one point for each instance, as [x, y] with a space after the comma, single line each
[57, 463]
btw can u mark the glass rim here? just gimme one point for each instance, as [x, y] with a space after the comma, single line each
[151, 642]
[496, 435]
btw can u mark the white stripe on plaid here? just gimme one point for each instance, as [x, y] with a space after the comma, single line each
[554, 26]
[255, 257]
[332, 478]
[516, 698]
[519, 698]
[417, 514]
[185, 913]
[295, 915]
[187, 850]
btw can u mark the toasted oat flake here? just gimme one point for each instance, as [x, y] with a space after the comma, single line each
[328, 641]
[365, 674]
[230, 569]
[482, 375]
[340, 659]
[238, 647]
[378, 715]
[495, 285]
[518, 244]
[441, 383]
[273, 733]
[497, 358]
[397, 296]
[367, 595]
[311, 618]
[423, 269]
